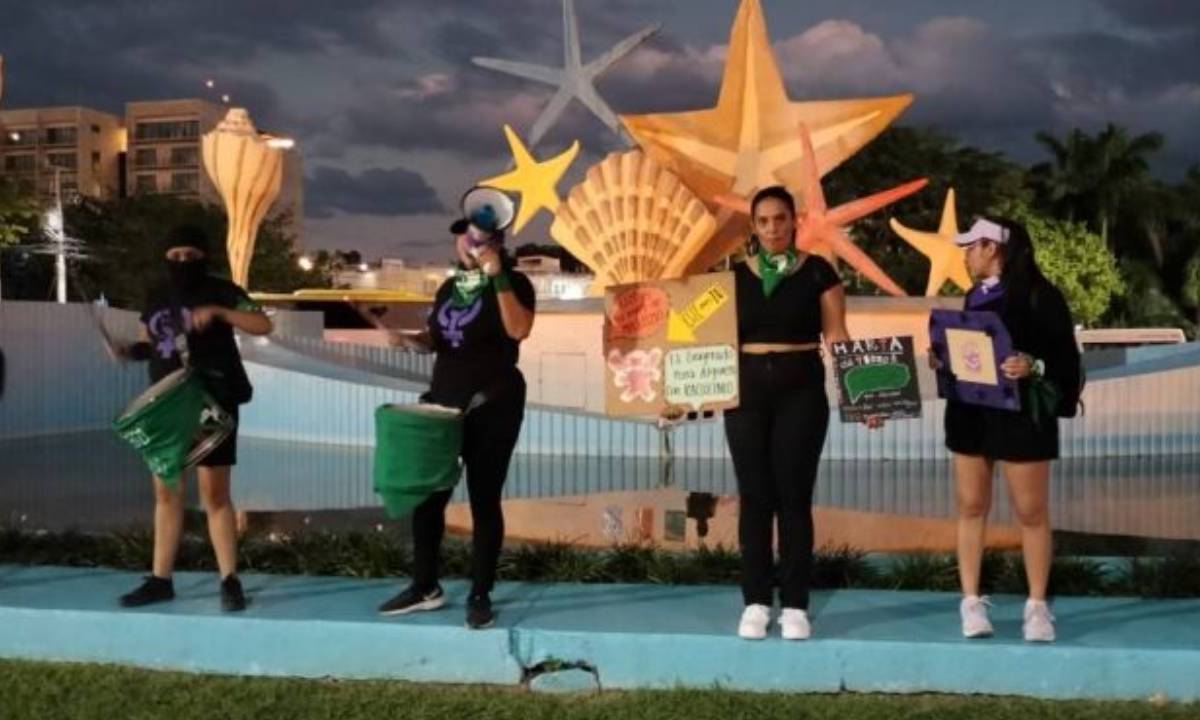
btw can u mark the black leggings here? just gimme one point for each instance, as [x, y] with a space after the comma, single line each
[775, 438]
[489, 436]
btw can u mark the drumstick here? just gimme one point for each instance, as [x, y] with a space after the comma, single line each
[109, 346]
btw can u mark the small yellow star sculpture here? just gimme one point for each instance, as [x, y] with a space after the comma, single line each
[947, 261]
[536, 182]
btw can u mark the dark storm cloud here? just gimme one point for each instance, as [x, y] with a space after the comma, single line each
[373, 192]
[102, 53]
[1164, 15]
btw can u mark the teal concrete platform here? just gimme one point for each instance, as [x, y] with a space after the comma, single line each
[639, 636]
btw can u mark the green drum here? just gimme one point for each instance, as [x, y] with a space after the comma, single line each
[174, 425]
[416, 454]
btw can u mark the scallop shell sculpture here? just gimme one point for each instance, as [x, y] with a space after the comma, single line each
[632, 220]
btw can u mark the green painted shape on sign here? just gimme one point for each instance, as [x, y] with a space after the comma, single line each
[865, 379]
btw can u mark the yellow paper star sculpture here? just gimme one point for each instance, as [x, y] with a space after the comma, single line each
[536, 182]
[749, 139]
[947, 261]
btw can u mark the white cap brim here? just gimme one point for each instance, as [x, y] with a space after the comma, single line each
[982, 230]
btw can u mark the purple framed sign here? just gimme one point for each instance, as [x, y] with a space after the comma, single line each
[971, 346]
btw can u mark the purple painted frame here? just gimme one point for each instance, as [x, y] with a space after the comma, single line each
[1005, 395]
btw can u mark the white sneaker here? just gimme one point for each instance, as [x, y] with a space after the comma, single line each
[755, 619]
[794, 625]
[1039, 623]
[975, 622]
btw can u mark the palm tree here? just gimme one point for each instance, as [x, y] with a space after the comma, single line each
[1090, 178]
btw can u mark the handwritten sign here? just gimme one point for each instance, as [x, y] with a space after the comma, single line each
[701, 376]
[638, 312]
[877, 376]
[682, 325]
[671, 346]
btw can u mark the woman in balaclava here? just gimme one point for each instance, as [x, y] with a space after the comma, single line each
[191, 315]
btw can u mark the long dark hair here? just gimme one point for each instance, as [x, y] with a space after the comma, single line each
[778, 192]
[1022, 276]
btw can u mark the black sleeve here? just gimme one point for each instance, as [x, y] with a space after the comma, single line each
[822, 273]
[437, 343]
[232, 296]
[150, 306]
[523, 289]
[1055, 326]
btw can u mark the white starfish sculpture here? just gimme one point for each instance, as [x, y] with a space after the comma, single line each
[574, 79]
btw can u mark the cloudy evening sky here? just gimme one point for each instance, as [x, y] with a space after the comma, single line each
[395, 122]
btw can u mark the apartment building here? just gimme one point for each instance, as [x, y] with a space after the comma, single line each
[81, 147]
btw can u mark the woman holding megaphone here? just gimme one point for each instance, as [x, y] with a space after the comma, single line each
[479, 317]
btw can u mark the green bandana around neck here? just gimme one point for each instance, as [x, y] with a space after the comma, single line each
[468, 286]
[775, 268]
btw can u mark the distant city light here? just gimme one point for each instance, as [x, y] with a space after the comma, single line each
[363, 267]
[210, 84]
[306, 263]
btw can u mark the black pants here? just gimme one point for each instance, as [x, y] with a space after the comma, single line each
[775, 438]
[489, 436]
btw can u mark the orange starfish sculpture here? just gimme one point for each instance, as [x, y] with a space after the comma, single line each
[822, 231]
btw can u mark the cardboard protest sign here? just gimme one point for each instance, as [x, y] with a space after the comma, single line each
[877, 376]
[670, 346]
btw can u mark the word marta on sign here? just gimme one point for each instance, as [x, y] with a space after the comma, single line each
[670, 347]
[877, 376]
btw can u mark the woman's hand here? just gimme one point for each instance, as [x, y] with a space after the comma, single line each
[1017, 367]
[935, 363]
[206, 315]
[489, 260]
[411, 341]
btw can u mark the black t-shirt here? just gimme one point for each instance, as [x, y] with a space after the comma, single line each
[213, 354]
[474, 352]
[792, 314]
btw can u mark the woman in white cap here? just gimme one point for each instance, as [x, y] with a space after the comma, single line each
[1046, 365]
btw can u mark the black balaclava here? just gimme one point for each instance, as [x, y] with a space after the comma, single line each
[190, 274]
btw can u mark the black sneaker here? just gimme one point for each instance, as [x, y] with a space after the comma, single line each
[479, 611]
[413, 599]
[152, 590]
[232, 597]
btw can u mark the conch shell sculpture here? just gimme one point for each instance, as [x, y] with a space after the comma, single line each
[248, 173]
[632, 220]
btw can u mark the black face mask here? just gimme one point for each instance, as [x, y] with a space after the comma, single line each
[187, 274]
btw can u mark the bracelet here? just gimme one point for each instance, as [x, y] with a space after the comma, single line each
[501, 282]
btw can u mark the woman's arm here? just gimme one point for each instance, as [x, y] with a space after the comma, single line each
[517, 319]
[833, 330]
[833, 315]
[254, 322]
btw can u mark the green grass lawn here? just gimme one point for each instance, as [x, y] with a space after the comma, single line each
[66, 692]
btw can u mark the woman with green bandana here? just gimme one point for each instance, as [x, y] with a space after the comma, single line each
[196, 312]
[787, 301]
[478, 320]
[1008, 282]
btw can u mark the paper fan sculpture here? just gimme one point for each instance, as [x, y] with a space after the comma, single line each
[631, 220]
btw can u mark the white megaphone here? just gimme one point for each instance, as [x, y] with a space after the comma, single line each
[488, 210]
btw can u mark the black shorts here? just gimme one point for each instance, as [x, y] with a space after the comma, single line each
[225, 454]
[1000, 434]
